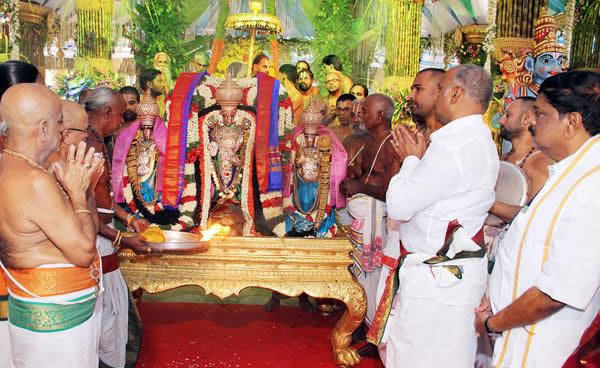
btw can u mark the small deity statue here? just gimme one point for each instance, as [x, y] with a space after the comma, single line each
[227, 185]
[317, 166]
[137, 174]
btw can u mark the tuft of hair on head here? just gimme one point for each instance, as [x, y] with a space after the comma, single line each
[335, 61]
[290, 72]
[577, 91]
[99, 98]
[345, 97]
[129, 90]
[476, 82]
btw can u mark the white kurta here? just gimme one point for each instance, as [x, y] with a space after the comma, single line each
[432, 321]
[557, 251]
[114, 333]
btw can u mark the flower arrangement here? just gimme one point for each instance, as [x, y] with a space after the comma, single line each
[472, 53]
[71, 83]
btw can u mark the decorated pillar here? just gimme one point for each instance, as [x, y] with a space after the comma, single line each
[94, 28]
[585, 48]
[33, 33]
[403, 41]
[516, 18]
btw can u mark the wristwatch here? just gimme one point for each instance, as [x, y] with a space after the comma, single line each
[487, 327]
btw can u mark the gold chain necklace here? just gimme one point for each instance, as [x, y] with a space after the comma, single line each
[32, 163]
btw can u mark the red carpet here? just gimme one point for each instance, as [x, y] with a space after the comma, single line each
[190, 335]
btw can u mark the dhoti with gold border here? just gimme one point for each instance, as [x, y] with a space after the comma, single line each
[54, 319]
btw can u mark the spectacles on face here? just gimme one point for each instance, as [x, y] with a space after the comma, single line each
[84, 131]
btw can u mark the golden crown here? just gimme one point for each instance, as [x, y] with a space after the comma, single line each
[545, 35]
[229, 94]
[313, 115]
[147, 110]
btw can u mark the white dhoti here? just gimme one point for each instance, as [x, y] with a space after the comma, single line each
[432, 321]
[75, 347]
[4, 344]
[114, 333]
[368, 235]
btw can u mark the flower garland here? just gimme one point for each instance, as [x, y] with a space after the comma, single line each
[207, 164]
[490, 35]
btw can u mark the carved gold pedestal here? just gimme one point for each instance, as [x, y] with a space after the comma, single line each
[290, 266]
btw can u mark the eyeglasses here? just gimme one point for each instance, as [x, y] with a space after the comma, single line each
[85, 131]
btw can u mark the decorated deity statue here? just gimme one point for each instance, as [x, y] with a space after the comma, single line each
[311, 187]
[549, 54]
[228, 134]
[137, 171]
[227, 143]
[525, 68]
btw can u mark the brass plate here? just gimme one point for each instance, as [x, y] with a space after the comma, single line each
[179, 242]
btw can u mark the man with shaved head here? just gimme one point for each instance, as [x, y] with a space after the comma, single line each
[366, 203]
[47, 232]
[105, 109]
[441, 197]
[515, 127]
[421, 102]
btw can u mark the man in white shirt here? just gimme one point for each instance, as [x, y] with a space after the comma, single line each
[544, 286]
[441, 196]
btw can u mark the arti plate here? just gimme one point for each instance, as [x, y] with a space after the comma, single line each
[178, 242]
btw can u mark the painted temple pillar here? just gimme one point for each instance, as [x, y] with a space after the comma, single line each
[33, 33]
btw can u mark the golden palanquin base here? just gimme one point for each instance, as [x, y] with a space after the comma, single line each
[318, 267]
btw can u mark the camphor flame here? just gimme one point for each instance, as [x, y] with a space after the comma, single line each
[216, 229]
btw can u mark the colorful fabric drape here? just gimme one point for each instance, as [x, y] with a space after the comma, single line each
[181, 101]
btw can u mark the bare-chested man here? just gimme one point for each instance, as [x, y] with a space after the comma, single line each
[366, 203]
[343, 115]
[514, 126]
[105, 109]
[355, 143]
[47, 232]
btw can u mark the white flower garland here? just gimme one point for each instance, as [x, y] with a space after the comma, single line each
[488, 45]
[246, 175]
[193, 135]
[204, 91]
